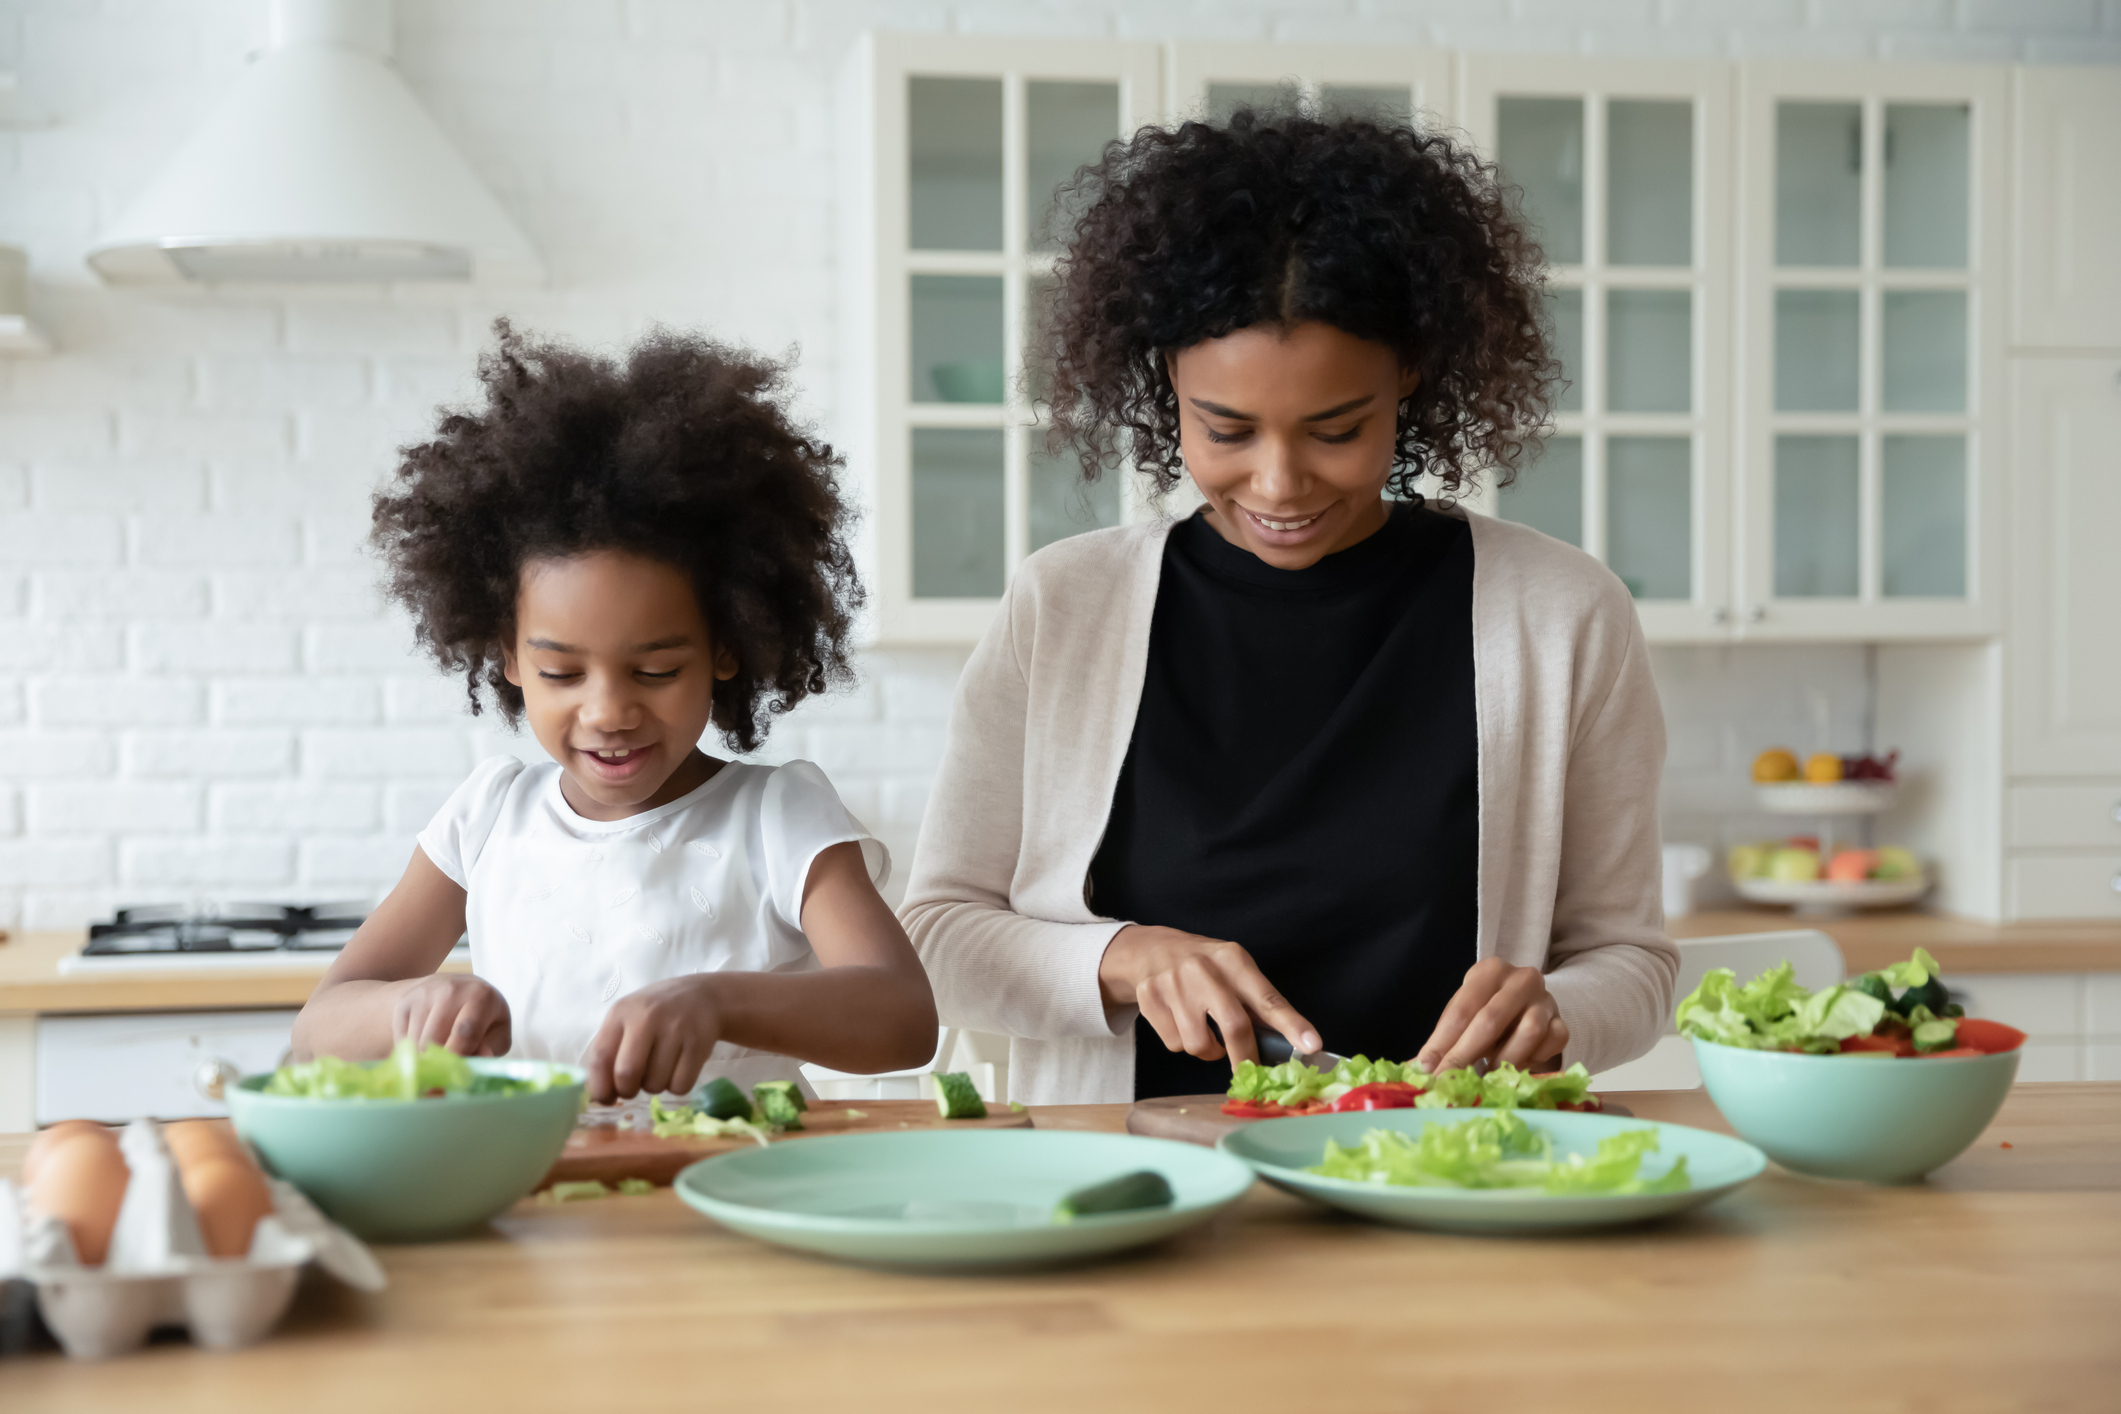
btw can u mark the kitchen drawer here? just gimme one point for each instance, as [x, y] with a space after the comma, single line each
[123, 1066]
[2066, 817]
[2064, 885]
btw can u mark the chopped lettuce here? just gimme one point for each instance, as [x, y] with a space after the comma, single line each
[1292, 1083]
[1498, 1150]
[1505, 1087]
[685, 1122]
[407, 1073]
[1914, 972]
[1773, 1013]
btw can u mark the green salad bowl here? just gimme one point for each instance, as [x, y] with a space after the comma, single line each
[1886, 1119]
[413, 1170]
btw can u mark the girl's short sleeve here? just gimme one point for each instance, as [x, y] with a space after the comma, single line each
[800, 817]
[460, 828]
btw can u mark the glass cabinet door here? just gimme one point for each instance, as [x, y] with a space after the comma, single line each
[1863, 299]
[975, 143]
[1611, 164]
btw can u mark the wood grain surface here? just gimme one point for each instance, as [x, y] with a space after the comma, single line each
[1992, 1286]
[608, 1154]
[1199, 1119]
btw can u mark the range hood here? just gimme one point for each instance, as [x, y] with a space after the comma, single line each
[319, 166]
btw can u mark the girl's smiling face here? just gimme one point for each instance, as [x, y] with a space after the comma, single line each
[618, 671]
[1289, 433]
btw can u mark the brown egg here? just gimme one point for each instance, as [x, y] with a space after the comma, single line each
[229, 1195]
[190, 1140]
[50, 1139]
[81, 1180]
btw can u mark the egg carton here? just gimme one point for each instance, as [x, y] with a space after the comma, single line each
[157, 1272]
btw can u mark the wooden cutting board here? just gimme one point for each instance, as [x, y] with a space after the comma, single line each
[607, 1155]
[1199, 1119]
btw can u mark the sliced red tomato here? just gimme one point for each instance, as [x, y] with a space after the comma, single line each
[1896, 1045]
[1254, 1109]
[1988, 1037]
[1384, 1095]
[1954, 1053]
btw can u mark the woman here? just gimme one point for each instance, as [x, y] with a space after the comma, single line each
[1375, 772]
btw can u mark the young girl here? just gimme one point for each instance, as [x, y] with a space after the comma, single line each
[624, 555]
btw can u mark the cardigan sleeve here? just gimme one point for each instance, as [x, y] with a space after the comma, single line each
[992, 967]
[1610, 966]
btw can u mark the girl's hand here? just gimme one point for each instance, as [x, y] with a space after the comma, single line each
[1179, 980]
[464, 1013]
[1503, 1013]
[656, 1039]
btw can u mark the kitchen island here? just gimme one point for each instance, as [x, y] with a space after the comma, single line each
[1991, 1286]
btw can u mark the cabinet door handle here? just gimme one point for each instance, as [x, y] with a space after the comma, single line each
[1755, 614]
[2117, 812]
[211, 1077]
[1722, 616]
[2116, 881]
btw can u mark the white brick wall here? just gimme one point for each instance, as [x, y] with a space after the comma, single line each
[199, 692]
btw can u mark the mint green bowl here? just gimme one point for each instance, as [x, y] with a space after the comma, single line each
[1885, 1119]
[412, 1170]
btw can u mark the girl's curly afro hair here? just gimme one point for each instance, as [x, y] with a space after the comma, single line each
[1279, 217]
[680, 454]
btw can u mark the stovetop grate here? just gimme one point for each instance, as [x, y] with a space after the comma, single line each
[233, 927]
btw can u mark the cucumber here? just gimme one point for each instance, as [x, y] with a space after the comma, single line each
[1930, 994]
[1936, 1035]
[721, 1098]
[780, 1103]
[1873, 984]
[1128, 1192]
[957, 1098]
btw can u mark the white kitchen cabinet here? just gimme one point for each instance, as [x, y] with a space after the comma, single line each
[2065, 642]
[1390, 81]
[1871, 237]
[1624, 171]
[2068, 208]
[957, 146]
[123, 1066]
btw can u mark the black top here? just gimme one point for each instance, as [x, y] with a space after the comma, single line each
[1303, 780]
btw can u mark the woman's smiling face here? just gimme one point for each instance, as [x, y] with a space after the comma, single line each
[1288, 433]
[618, 673]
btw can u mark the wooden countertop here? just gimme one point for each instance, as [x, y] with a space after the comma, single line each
[1990, 1286]
[30, 981]
[1870, 941]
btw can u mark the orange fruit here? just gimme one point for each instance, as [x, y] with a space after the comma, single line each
[1822, 768]
[1775, 764]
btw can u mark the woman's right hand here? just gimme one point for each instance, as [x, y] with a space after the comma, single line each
[465, 1013]
[1180, 980]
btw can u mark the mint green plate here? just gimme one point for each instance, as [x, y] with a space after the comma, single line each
[1886, 1119]
[1280, 1149]
[412, 1170]
[954, 1198]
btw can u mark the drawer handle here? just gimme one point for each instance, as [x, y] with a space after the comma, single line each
[2117, 812]
[211, 1077]
[2116, 881]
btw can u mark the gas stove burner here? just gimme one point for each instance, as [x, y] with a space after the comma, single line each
[225, 928]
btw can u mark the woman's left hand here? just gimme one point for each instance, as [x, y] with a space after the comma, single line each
[1503, 1013]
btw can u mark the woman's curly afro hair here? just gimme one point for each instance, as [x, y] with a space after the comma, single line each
[1279, 217]
[680, 454]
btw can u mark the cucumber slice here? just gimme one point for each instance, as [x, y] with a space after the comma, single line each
[780, 1103]
[721, 1098]
[1146, 1189]
[957, 1098]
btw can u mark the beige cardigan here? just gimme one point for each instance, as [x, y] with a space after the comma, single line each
[1571, 744]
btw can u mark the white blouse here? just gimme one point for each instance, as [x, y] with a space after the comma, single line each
[567, 915]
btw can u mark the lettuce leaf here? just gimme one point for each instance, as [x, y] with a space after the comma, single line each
[1498, 1150]
[1914, 972]
[407, 1073]
[1773, 1013]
